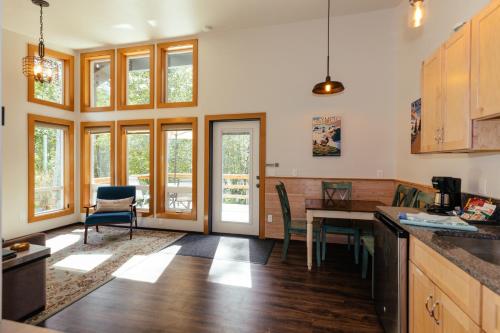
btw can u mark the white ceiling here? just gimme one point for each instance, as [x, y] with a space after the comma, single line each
[79, 24]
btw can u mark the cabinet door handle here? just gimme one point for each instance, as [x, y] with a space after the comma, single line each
[429, 299]
[435, 314]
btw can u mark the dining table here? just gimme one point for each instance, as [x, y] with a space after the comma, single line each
[336, 209]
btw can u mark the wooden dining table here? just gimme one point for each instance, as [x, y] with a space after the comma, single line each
[336, 209]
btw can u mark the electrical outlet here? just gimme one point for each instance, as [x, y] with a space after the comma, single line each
[269, 218]
[380, 173]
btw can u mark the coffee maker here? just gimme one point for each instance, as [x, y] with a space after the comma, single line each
[448, 195]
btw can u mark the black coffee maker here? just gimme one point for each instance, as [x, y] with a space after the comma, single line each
[448, 196]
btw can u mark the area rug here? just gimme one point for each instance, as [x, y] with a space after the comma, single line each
[246, 249]
[75, 269]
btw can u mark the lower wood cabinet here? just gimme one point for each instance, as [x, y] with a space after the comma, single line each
[491, 311]
[432, 311]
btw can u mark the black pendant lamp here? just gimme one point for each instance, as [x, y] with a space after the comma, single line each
[328, 87]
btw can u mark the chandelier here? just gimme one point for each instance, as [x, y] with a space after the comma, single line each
[42, 69]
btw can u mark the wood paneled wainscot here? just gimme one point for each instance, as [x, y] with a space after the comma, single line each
[443, 298]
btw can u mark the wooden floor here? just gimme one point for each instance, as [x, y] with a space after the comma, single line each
[284, 297]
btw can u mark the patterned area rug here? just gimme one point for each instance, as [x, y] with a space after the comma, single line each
[75, 269]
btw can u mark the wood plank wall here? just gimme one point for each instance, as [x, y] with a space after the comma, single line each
[299, 189]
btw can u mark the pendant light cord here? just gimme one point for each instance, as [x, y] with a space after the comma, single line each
[41, 44]
[328, 43]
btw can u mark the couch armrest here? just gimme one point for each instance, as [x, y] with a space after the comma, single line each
[37, 239]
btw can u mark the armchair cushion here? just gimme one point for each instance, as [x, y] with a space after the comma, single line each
[109, 217]
[116, 205]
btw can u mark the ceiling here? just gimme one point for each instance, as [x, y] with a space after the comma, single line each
[78, 24]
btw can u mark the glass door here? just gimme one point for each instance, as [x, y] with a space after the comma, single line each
[235, 178]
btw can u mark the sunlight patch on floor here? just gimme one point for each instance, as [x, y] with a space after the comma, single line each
[82, 262]
[147, 268]
[62, 241]
[232, 272]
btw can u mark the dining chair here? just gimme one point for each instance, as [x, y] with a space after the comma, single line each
[368, 251]
[296, 226]
[339, 191]
[404, 196]
[423, 200]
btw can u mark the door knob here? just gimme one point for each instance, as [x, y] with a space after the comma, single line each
[257, 185]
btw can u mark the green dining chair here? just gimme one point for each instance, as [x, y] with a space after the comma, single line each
[368, 251]
[404, 196]
[339, 191]
[296, 226]
[423, 200]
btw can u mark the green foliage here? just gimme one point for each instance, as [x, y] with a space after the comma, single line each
[236, 160]
[180, 83]
[102, 163]
[138, 155]
[138, 87]
[102, 94]
[51, 92]
[179, 155]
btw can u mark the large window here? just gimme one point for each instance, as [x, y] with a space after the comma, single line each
[50, 167]
[136, 77]
[98, 81]
[58, 93]
[178, 74]
[177, 167]
[97, 159]
[136, 159]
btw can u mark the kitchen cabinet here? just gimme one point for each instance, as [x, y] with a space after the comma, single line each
[491, 311]
[449, 317]
[485, 70]
[446, 122]
[432, 102]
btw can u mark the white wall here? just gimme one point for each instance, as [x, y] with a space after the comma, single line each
[273, 69]
[414, 46]
[14, 205]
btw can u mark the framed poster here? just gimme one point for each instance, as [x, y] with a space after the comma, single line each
[326, 136]
[416, 126]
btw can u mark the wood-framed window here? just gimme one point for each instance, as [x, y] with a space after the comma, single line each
[177, 74]
[177, 156]
[97, 160]
[97, 75]
[50, 167]
[136, 77]
[59, 93]
[135, 151]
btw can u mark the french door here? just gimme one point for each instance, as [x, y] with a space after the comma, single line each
[235, 177]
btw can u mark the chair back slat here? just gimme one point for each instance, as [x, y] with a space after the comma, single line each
[336, 190]
[116, 192]
[423, 200]
[404, 196]
[285, 206]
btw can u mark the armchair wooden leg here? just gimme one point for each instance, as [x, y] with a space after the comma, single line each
[136, 222]
[131, 224]
[85, 235]
[97, 228]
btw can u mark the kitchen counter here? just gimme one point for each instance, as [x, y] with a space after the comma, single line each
[486, 273]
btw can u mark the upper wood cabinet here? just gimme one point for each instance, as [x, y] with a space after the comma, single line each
[486, 62]
[432, 104]
[446, 123]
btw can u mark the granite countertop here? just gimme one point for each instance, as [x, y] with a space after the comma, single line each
[486, 273]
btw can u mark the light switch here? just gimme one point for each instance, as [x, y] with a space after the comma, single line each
[269, 218]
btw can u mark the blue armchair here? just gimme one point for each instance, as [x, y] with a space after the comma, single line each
[111, 218]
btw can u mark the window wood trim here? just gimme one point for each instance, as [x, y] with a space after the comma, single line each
[85, 81]
[68, 81]
[162, 50]
[69, 168]
[85, 158]
[122, 54]
[122, 157]
[161, 211]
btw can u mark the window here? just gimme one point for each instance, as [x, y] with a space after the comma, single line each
[98, 81]
[178, 74]
[136, 160]
[97, 159]
[136, 78]
[50, 167]
[59, 93]
[177, 167]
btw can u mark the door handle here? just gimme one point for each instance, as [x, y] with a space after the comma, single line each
[257, 185]
[434, 312]
[427, 305]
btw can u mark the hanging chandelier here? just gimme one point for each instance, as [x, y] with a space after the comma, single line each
[328, 87]
[42, 69]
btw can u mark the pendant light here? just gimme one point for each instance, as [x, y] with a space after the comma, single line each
[42, 70]
[328, 87]
[417, 13]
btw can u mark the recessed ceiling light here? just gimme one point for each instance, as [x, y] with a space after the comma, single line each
[152, 23]
[124, 26]
[207, 28]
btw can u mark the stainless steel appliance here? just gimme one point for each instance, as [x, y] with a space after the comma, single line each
[391, 274]
[448, 196]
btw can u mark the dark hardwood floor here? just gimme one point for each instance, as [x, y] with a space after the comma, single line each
[284, 297]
